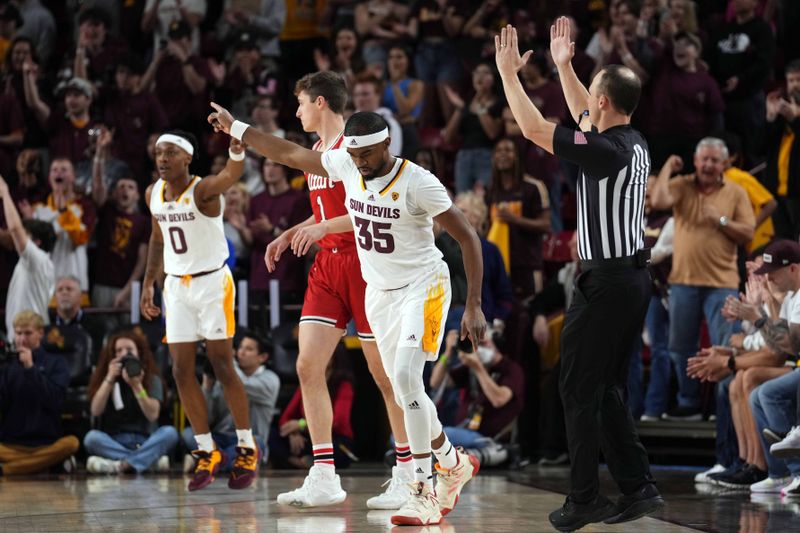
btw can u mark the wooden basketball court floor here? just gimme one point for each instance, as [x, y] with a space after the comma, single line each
[496, 502]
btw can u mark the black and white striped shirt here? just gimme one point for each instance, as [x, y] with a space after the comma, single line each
[614, 166]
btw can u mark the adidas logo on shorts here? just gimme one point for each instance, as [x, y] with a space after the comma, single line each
[412, 337]
[413, 405]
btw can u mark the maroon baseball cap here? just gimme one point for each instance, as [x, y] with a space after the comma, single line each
[779, 254]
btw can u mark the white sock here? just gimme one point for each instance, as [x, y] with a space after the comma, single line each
[422, 470]
[323, 457]
[446, 454]
[204, 442]
[403, 458]
[245, 438]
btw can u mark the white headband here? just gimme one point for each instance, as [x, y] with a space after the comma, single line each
[360, 141]
[177, 141]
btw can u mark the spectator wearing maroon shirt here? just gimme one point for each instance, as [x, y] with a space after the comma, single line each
[686, 100]
[68, 130]
[21, 63]
[623, 45]
[243, 76]
[31, 185]
[134, 115]
[179, 79]
[123, 233]
[12, 131]
[494, 403]
[520, 216]
[97, 51]
[271, 213]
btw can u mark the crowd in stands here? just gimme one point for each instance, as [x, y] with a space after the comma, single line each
[87, 87]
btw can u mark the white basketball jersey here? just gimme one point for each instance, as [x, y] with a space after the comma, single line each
[193, 242]
[392, 219]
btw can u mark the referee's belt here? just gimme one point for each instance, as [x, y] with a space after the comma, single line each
[186, 278]
[640, 259]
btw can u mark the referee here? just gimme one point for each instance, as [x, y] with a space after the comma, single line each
[613, 289]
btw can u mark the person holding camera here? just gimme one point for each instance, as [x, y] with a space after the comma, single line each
[126, 392]
[32, 387]
[496, 390]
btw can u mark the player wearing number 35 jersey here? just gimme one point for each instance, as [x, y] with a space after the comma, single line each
[188, 244]
[391, 206]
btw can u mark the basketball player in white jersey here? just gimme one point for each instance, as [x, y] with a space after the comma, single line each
[392, 204]
[334, 297]
[188, 244]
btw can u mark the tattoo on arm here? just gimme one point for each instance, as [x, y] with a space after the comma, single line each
[776, 334]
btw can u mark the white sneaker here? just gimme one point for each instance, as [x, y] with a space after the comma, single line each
[396, 494]
[702, 477]
[163, 464]
[320, 488]
[100, 465]
[421, 509]
[650, 418]
[450, 482]
[792, 490]
[770, 485]
[789, 446]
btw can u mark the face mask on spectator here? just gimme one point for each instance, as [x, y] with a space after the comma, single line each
[485, 354]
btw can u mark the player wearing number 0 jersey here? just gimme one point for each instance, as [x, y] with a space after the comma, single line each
[392, 205]
[188, 243]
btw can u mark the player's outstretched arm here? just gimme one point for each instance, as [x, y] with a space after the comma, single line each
[212, 186]
[473, 324]
[155, 266]
[279, 245]
[530, 120]
[272, 147]
[305, 237]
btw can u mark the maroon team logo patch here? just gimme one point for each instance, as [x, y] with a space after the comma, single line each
[580, 138]
[395, 196]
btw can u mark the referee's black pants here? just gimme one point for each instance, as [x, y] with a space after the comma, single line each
[606, 315]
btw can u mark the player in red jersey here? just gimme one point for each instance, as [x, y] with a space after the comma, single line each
[335, 294]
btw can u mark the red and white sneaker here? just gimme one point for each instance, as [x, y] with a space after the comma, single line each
[450, 482]
[421, 509]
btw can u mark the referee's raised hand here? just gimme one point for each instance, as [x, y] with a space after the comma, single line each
[561, 48]
[506, 47]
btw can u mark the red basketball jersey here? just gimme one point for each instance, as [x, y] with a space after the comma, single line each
[327, 201]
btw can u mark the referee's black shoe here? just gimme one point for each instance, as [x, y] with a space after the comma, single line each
[629, 507]
[573, 516]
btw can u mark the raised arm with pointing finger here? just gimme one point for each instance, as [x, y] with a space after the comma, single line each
[272, 147]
